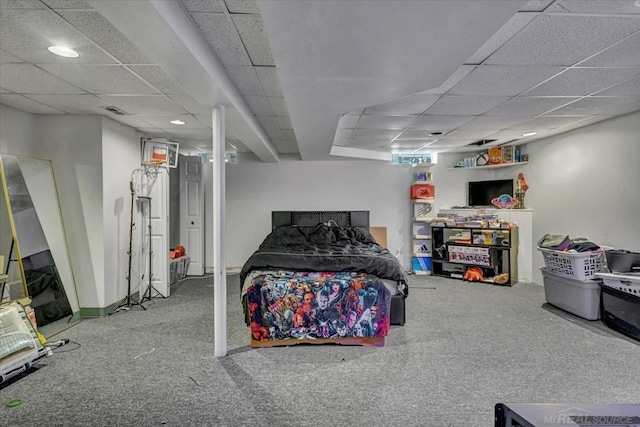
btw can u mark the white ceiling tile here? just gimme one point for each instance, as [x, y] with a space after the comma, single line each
[205, 120]
[191, 105]
[523, 106]
[348, 121]
[378, 134]
[580, 36]
[494, 122]
[411, 143]
[419, 134]
[385, 122]
[245, 79]
[242, 6]
[341, 142]
[21, 4]
[136, 105]
[288, 134]
[630, 87]
[259, 105]
[26, 104]
[164, 121]
[278, 105]
[27, 78]
[465, 105]
[222, 37]
[203, 6]
[343, 133]
[474, 134]
[6, 57]
[285, 146]
[3, 90]
[155, 76]
[251, 30]
[535, 5]
[28, 34]
[104, 34]
[154, 132]
[133, 121]
[412, 104]
[369, 142]
[67, 4]
[516, 23]
[269, 123]
[547, 122]
[623, 54]
[595, 7]
[502, 80]
[189, 133]
[101, 79]
[429, 122]
[284, 122]
[455, 78]
[268, 77]
[600, 105]
[507, 135]
[75, 104]
[442, 143]
[582, 81]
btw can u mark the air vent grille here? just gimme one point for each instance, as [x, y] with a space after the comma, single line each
[114, 110]
[483, 142]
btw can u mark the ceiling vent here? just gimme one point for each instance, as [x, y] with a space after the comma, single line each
[483, 142]
[114, 110]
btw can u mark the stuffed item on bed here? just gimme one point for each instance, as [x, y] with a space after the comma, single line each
[288, 307]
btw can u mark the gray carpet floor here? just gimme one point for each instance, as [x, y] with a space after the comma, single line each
[465, 347]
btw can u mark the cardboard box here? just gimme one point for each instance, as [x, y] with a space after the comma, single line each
[507, 154]
[423, 191]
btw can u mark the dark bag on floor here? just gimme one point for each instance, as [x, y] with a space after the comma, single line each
[397, 316]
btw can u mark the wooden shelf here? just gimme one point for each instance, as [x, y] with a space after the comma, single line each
[502, 165]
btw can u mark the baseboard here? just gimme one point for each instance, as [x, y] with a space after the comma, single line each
[93, 312]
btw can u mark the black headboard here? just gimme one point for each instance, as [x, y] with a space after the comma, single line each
[311, 218]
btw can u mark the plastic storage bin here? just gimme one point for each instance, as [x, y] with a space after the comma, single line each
[578, 297]
[579, 266]
[621, 303]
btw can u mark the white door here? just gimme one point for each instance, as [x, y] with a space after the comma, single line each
[192, 212]
[155, 194]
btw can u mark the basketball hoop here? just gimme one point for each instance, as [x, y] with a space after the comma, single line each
[151, 167]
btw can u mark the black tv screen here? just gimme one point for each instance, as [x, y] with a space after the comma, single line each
[481, 193]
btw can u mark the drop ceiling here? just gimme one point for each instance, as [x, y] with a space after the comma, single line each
[358, 78]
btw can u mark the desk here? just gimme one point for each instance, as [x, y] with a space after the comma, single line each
[551, 414]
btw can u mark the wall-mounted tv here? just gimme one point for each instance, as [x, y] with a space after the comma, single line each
[482, 192]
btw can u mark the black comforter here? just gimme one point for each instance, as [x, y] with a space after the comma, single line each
[325, 248]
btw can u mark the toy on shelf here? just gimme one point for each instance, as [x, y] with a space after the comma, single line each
[521, 188]
[504, 201]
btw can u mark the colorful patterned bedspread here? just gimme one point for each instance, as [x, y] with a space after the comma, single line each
[302, 305]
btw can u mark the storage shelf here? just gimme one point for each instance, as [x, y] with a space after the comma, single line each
[422, 182]
[501, 165]
[422, 219]
[422, 255]
[421, 237]
[421, 273]
[429, 200]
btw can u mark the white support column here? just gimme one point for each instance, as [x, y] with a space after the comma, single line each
[219, 259]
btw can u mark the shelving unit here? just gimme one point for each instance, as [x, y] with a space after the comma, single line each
[501, 165]
[422, 214]
[493, 250]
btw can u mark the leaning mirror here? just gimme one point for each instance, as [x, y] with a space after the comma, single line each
[33, 243]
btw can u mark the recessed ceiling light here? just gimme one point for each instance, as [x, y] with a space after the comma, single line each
[529, 133]
[63, 51]
[177, 122]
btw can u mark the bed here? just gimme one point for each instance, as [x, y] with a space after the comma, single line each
[320, 277]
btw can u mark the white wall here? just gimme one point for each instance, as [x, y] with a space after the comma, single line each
[17, 131]
[120, 157]
[586, 182]
[254, 189]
